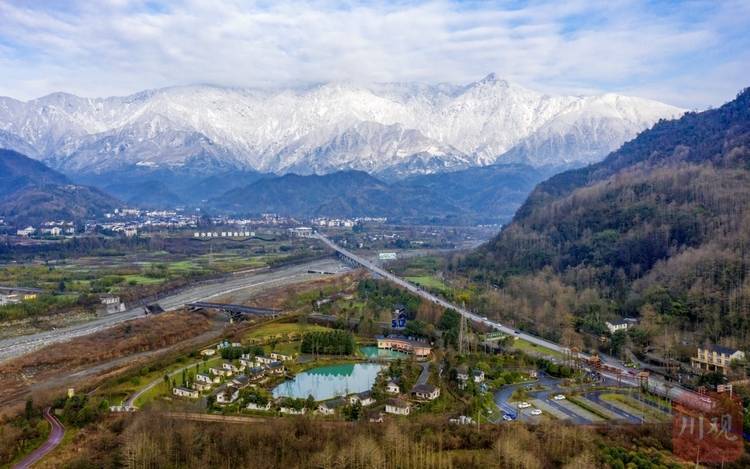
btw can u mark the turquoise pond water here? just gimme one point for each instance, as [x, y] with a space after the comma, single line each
[371, 351]
[327, 382]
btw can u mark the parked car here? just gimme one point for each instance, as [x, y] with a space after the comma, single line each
[536, 412]
[508, 417]
[523, 405]
[559, 397]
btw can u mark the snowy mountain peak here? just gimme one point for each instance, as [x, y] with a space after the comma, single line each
[394, 129]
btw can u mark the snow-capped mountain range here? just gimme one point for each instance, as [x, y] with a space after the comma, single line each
[393, 129]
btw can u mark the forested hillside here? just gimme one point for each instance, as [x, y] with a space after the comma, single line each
[660, 229]
[30, 192]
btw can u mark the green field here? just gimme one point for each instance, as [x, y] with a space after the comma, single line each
[429, 282]
[282, 330]
[529, 348]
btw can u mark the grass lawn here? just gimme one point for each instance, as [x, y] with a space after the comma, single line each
[287, 348]
[634, 407]
[283, 329]
[429, 281]
[142, 279]
[528, 347]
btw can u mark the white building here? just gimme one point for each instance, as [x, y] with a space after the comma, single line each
[397, 407]
[254, 406]
[425, 392]
[185, 392]
[392, 388]
[228, 395]
[280, 357]
[364, 398]
[617, 325]
[26, 232]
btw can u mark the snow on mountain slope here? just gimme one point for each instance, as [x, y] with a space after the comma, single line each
[395, 128]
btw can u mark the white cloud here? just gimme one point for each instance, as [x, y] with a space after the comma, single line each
[118, 47]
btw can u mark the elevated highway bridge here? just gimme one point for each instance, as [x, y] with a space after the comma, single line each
[612, 369]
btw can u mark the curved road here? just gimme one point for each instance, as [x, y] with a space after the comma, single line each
[54, 439]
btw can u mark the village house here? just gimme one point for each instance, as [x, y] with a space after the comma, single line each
[364, 398]
[255, 406]
[392, 388]
[375, 416]
[397, 407]
[329, 407]
[280, 357]
[461, 420]
[240, 381]
[617, 325]
[10, 299]
[276, 368]
[292, 410]
[425, 392]
[227, 395]
[206, 379]
[202, 386]
[478, 376]
[185, 392]
[26, 232]
[219, 371]
[53, 231]
[715, 358]
[462, 376]
[230, 367]
[247, 363]
[263, 360]
[111, 304]
[255, 373]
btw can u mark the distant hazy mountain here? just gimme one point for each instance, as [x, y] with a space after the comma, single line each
[392, 130]
[488, 195]
[31, 192]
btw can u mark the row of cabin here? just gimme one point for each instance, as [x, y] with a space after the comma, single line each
[329, 407]
[463, 376]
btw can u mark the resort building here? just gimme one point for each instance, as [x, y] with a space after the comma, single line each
[399, 343]
[425, 392]
[364, 398]
[185, 392]
[228, 395]
[397, 407]
[280, 357]
[715, 358]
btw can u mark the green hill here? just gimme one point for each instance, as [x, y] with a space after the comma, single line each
[659, 229]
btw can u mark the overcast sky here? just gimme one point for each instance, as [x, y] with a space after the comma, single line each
[693, 54]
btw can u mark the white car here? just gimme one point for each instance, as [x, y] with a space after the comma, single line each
[524, 405]
[536, 412]
[559, 397]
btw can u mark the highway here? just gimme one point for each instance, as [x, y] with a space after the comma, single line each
[257, 281]
[623, 376]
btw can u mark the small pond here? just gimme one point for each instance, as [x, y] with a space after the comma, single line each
[327, 382]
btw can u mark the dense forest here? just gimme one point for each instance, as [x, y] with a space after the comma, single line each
[658, 230]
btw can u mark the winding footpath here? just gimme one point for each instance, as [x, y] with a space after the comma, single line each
[54, 439]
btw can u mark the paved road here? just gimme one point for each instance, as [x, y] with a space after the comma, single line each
[16, 346]
[655, 384]
[54, 439]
